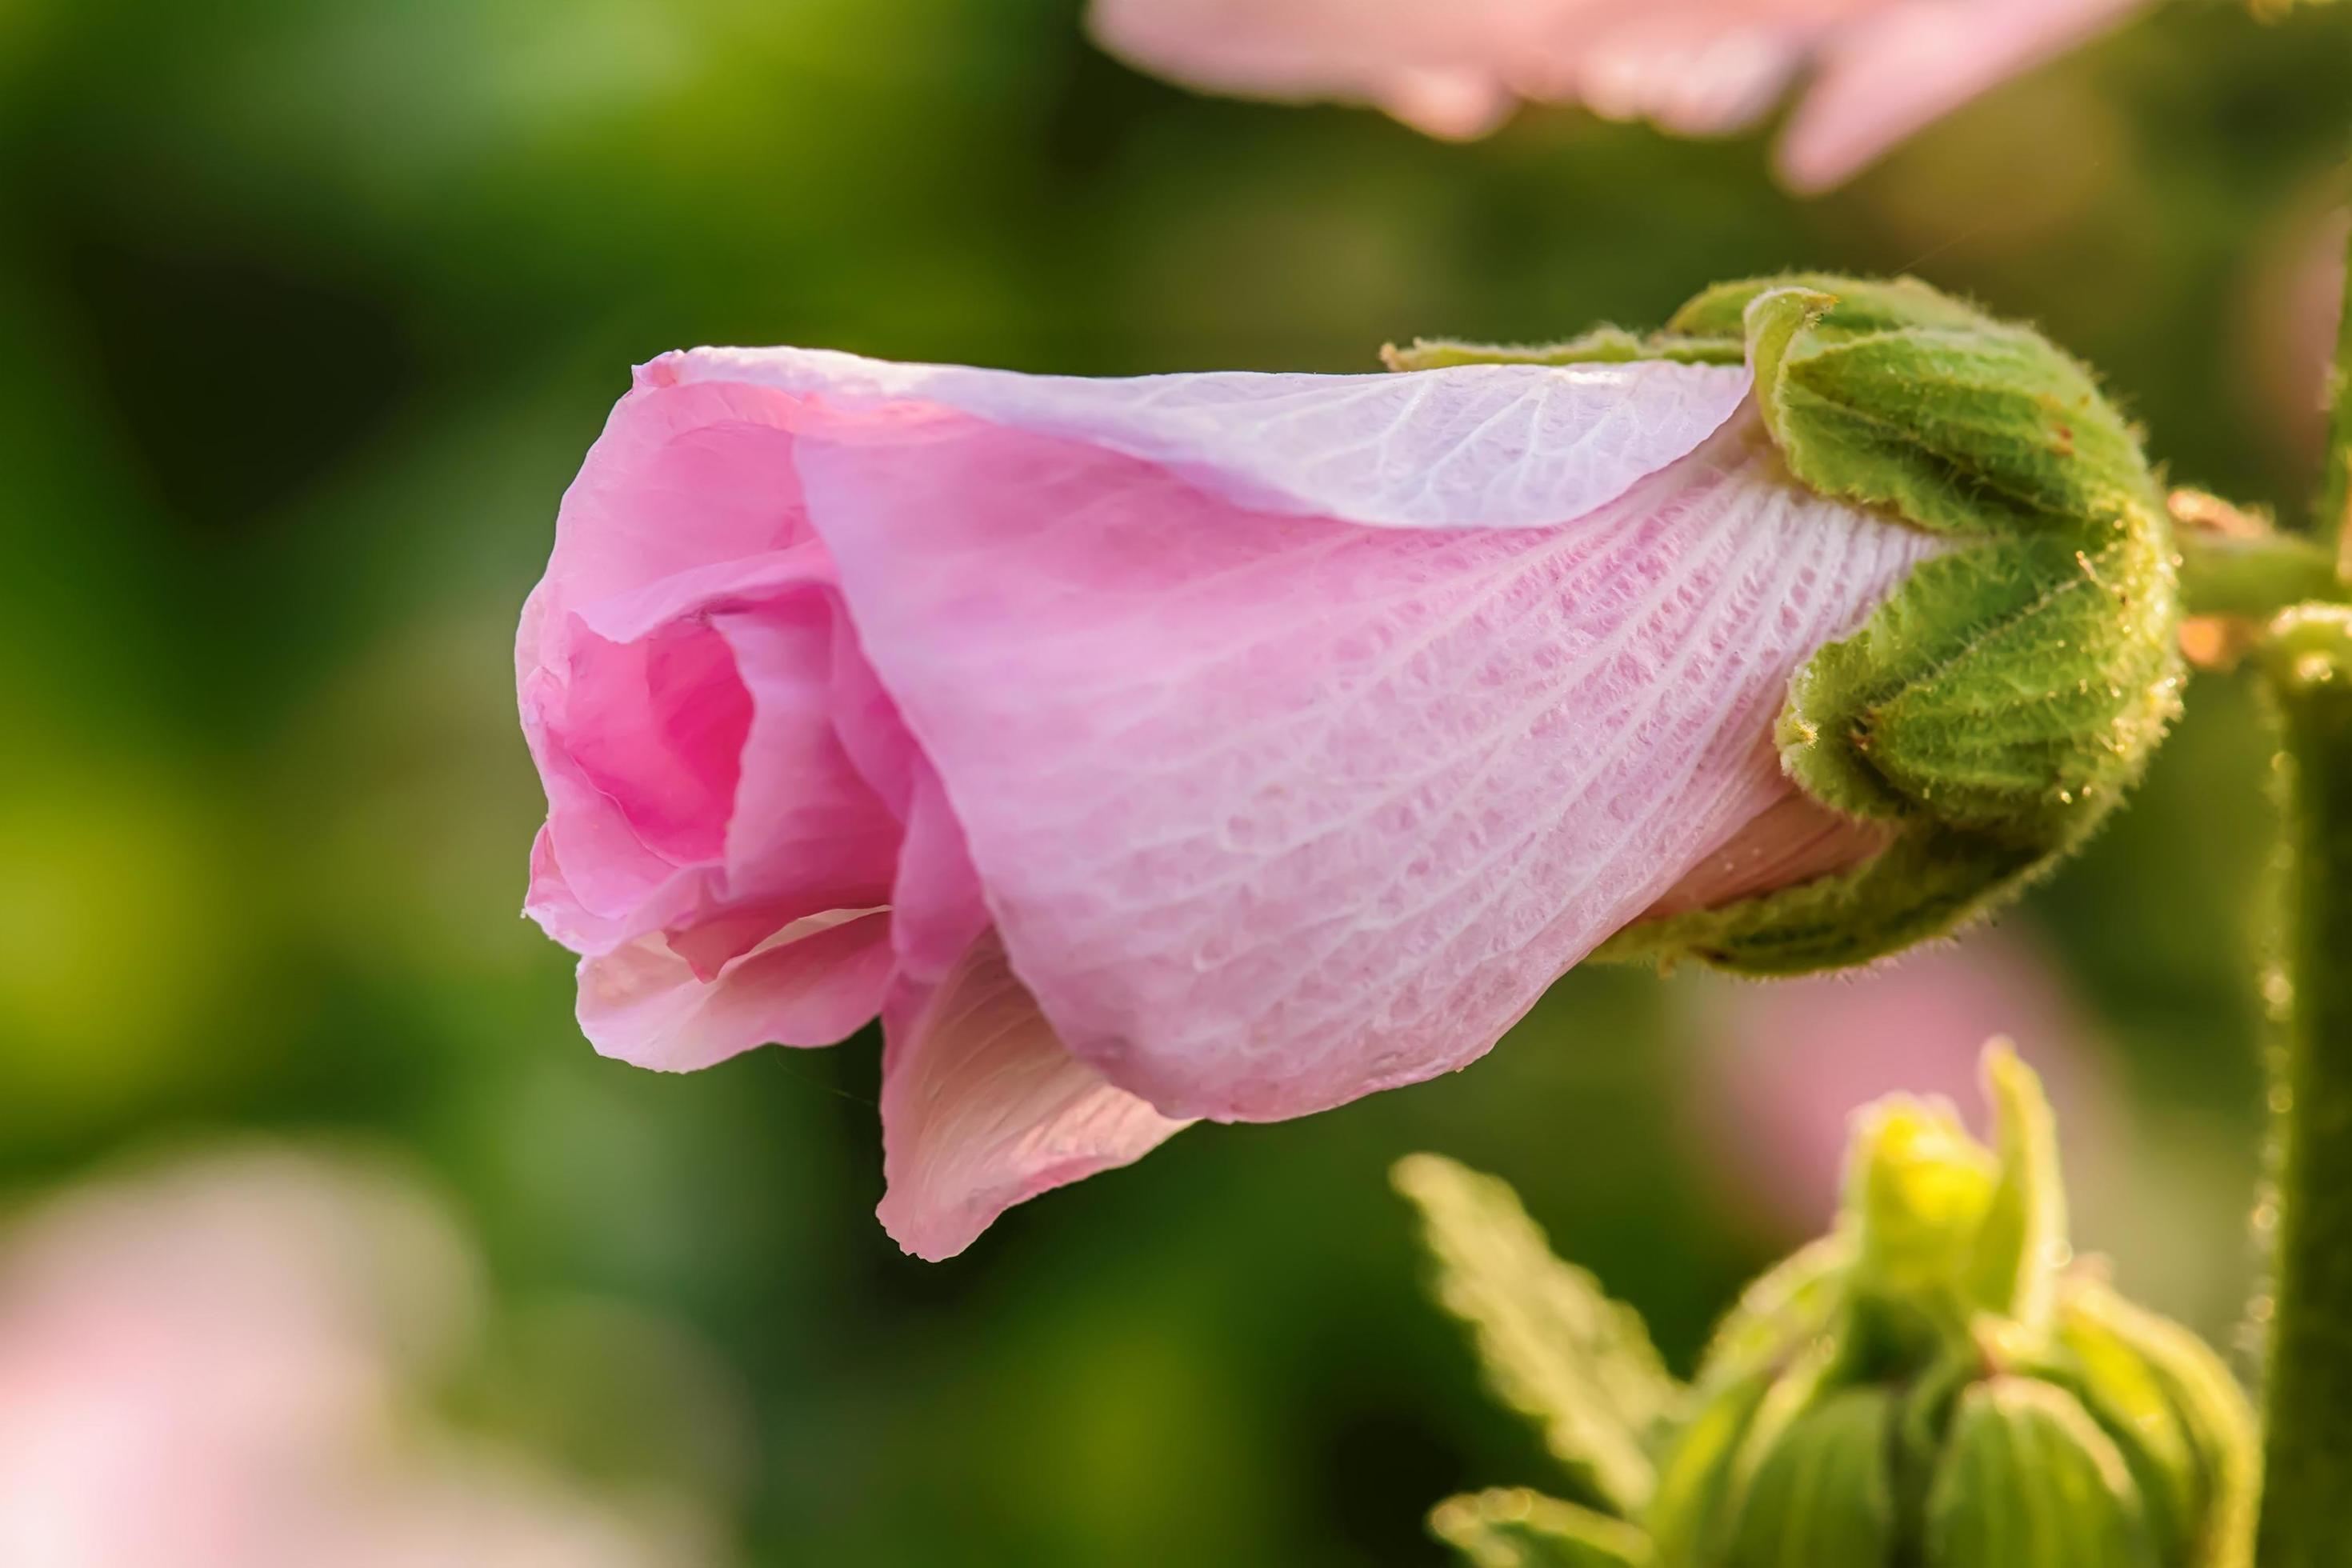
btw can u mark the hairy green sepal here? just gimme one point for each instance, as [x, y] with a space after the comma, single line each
[1998, 705]
[1935, 1385]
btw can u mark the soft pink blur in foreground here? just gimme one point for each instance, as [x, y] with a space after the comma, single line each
[1215, 745]
[212, 1366]
[1874, 71]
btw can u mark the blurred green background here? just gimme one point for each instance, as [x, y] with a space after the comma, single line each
[308, 311]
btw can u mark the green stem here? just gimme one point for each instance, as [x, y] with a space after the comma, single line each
[2308, 1399]
[2307, 1406]
[2254, 577]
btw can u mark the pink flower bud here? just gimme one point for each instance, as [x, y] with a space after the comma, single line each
[1214, 745]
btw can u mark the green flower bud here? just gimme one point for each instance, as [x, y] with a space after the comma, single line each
[1997, 706]
[1821, 1491]
[1936, 1383]
[1942, 1385]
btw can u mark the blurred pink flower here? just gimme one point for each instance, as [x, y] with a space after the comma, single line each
[1875, 70]
[1222, 745]
[1784, 1066]
[208, 1367]
[2290, 323]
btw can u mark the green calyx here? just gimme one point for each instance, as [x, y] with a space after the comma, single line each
[1936, 1383]
[1998, 704]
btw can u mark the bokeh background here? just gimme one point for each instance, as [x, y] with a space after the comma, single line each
[308, 311]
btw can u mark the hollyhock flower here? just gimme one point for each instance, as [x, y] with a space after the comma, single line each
[1875, 70]
[210, 1365]
[1229, 745]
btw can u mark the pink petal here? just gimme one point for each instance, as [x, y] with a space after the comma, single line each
[1697, 67]
[1477, 446]
[804, 820]
[693, 731]
[1690, 68]
[1298, 49]
[657, 727]
[1693, 67]
[666, 491]
[1453, 105]
[982, 1109]
[815, 982]
[1915, 61]
[1275, 811]
[1795, 839]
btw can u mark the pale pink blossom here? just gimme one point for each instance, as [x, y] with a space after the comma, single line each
[1873, 71]
[1210, 745]
[215, 1364]
[2292, 319]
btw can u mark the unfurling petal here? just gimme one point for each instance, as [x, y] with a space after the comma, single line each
[815, 982]
[982, 1109]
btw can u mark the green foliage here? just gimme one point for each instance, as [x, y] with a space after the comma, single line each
[2024, 1225]
[1932, 1386]
[1553, 1344]
[1602, 345]
[1995, 709]
[1519, 1528]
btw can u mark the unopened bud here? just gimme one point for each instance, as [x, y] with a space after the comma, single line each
[1941, 1386]
[1992, 711]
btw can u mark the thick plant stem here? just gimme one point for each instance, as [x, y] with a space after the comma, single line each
[2307, 1513]
[2255, 577]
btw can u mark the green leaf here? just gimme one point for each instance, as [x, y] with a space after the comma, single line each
[1554, 1346]
[1862, 305]
[1519, 1528]
[2023, 1242]
[1700, 1469]
[1928, 881]
[1602, 345]
[1975, 431]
